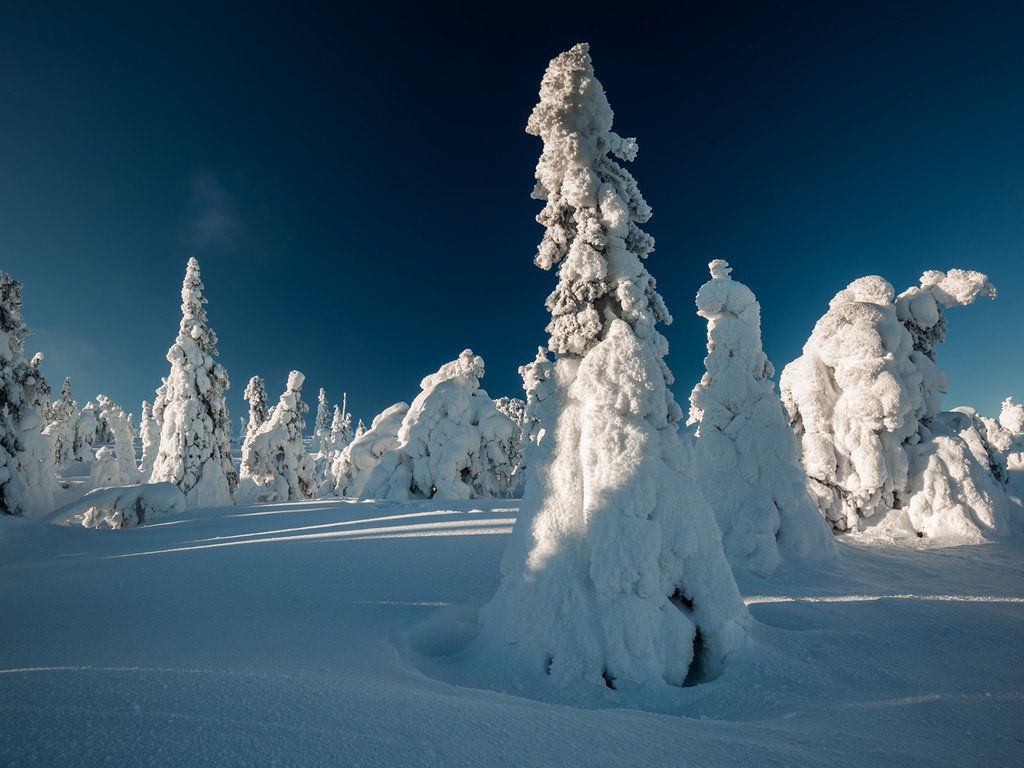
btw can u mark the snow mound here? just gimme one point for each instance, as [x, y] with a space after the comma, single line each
[121, 506]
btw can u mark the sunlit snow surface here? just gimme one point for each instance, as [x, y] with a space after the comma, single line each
[327, 633]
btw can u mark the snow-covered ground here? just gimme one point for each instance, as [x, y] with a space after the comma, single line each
[323, 633]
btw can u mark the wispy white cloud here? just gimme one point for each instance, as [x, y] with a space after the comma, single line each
[212, 221]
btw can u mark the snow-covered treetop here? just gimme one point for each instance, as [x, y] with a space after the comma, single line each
[466, 365]
[193, 314]
[12, 327]
[591, 216]
[919, 308]
[1011, 418]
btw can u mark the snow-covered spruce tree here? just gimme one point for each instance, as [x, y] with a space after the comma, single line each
[61, 430]
[615, 573]
[321, 425]
[275, 465]
[453, 442]
[341, 426]
[27, 476]
[195, 431]
[1011, 418]
[255, 395]
[865, 387]
[150, 431]
[747, 458]
[86, 429]
[515, 410]
[352, 468]
[116, 421]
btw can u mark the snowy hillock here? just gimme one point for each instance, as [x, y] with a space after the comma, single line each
[453, 442]
[747, 458]
[121, 506]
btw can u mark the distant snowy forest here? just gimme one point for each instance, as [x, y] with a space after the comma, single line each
[634, 517]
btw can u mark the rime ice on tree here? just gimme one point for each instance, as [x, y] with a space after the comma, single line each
[275, 465]
[195, 433]
[863, 392]
[453, 442]
[747, 458]
[27, 477]
[615, 572]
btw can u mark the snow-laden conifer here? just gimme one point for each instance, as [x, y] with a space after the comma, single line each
[321, 425]
[27, 477]
[341, 427]
[195, 433]
[747, 458]
[116, 421]
[275, 465]
[149, 430]
[86, 427]
[352, 468]
[61, 429]
[865, 387]
[511, 474]
[453, 442]
[255, 395]
[615, 572]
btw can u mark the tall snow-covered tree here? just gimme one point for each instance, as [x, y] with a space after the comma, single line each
[615, 572]
[150, 432]
[195, 432]
[453, 442]
[61, 430]
[747, 457]
[863, 392]
[275, 465]
[27, 477]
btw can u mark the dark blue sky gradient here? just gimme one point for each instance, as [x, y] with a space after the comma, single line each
[356, 183]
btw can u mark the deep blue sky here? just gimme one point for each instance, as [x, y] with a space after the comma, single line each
[356, 183]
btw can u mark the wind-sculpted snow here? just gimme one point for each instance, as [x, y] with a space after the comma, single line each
[747, 458]
[121, 506]
[864, 391]
[453, 442]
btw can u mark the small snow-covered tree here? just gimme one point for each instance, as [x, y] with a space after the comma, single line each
[353, 466]
[865, 387]
[341, 426]
[275, 465]
[321, 426]
[86, 427]
[150, 431]
[510, 474]
[453, 442]
[615, 572]
[27, 477]
[117, 423]
[747, 458]
[255, 395]
[195, 433]
[1011, 418]
[360, 430]
[61, 430]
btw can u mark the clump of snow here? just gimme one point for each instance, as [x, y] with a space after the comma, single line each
[122, 506]
[275, 465]
[746, 455]
[615, 573]
[353, 467]
[865, 389]
[195, 436]
[453, 442]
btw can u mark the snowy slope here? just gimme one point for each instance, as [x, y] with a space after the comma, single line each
[316, 633]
